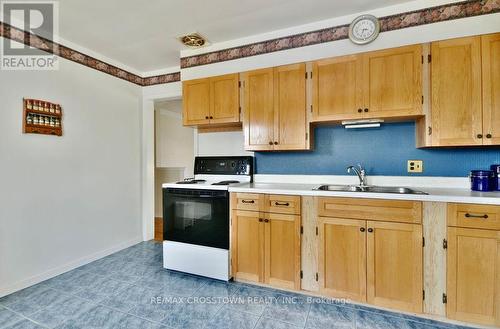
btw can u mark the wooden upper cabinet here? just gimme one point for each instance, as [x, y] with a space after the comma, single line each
[212, 100]
[275, 109]
[456, 92]
[473, 283]
[392, 82]
[224, 99]
[258, 122]
[282, 250]
[290, 121]
[196, 102]
[337, 89]
[491, 88]
[342, 258]
[394, 265]
[379, 84]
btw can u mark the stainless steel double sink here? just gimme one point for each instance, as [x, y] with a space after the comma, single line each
[368, 189]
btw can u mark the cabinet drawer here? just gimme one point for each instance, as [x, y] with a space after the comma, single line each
[283, 204]
[247, 201]
[371, 209]
[474, 216]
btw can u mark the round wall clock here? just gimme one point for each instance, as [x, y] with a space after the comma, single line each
[364, 29]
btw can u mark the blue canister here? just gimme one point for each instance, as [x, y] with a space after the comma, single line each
[496, 180]
[482, 180]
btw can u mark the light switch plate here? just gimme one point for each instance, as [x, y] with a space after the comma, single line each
[415, 166]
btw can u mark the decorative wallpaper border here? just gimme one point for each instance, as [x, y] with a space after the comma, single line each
[13, 33]
[388, 23]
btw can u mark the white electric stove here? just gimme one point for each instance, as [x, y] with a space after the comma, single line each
[196, 216]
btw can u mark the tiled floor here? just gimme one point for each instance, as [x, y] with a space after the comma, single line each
[130, 289]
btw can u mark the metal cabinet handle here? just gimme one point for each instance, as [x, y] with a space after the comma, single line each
[286, 204]
[270, 143]
[476, 216]
[275, 143]
[266, 220]
[261, 220]
[362, 229]
[360, 110]
[366, 110]
[211, 117]
[206, 117]
[479, 136]
[247, 201]
[370, 230]
[488, 136]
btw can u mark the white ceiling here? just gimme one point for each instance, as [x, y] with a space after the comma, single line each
[142, 34]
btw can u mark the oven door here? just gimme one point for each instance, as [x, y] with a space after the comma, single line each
[199, 217]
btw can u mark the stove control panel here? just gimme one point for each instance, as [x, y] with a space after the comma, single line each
[223, 166]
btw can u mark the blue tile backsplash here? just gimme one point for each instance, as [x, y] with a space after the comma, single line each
[382, 151]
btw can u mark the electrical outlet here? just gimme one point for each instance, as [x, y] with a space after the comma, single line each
[415, 166]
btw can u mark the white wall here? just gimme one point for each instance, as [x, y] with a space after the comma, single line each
[220, 143]
[413, 35]
[174, 142]
[67, 200]
[164, 175]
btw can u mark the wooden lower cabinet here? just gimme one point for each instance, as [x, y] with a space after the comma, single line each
[266, 248]
[473, 275]
[394, 265]
[342, 258]
[282, 250]
[371, 261]
[248, 245]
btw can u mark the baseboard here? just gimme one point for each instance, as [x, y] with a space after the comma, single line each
[21, 284]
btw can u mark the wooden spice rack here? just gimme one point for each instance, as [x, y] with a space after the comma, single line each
[42, 117]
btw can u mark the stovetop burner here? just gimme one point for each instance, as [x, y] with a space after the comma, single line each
[192, 181]
[226, 182]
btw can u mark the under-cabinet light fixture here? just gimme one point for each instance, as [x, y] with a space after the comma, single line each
[364, 123]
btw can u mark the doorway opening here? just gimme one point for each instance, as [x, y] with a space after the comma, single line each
[174, 153]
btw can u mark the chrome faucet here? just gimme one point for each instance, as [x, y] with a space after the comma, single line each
[360, 171]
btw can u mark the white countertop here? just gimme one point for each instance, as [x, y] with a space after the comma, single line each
[459, 195]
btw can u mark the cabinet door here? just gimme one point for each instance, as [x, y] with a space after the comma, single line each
[290, 107]
[456, 92]
[393, 82]
[342, 258]
[247, 245]
[196, 102]
[282, 250]
[394, 265]
[224, 99]
[337, 89]
[491, 88]
[473, 282]
[258, 125]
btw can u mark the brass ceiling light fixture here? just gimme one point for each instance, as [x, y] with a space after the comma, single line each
[193, 40]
